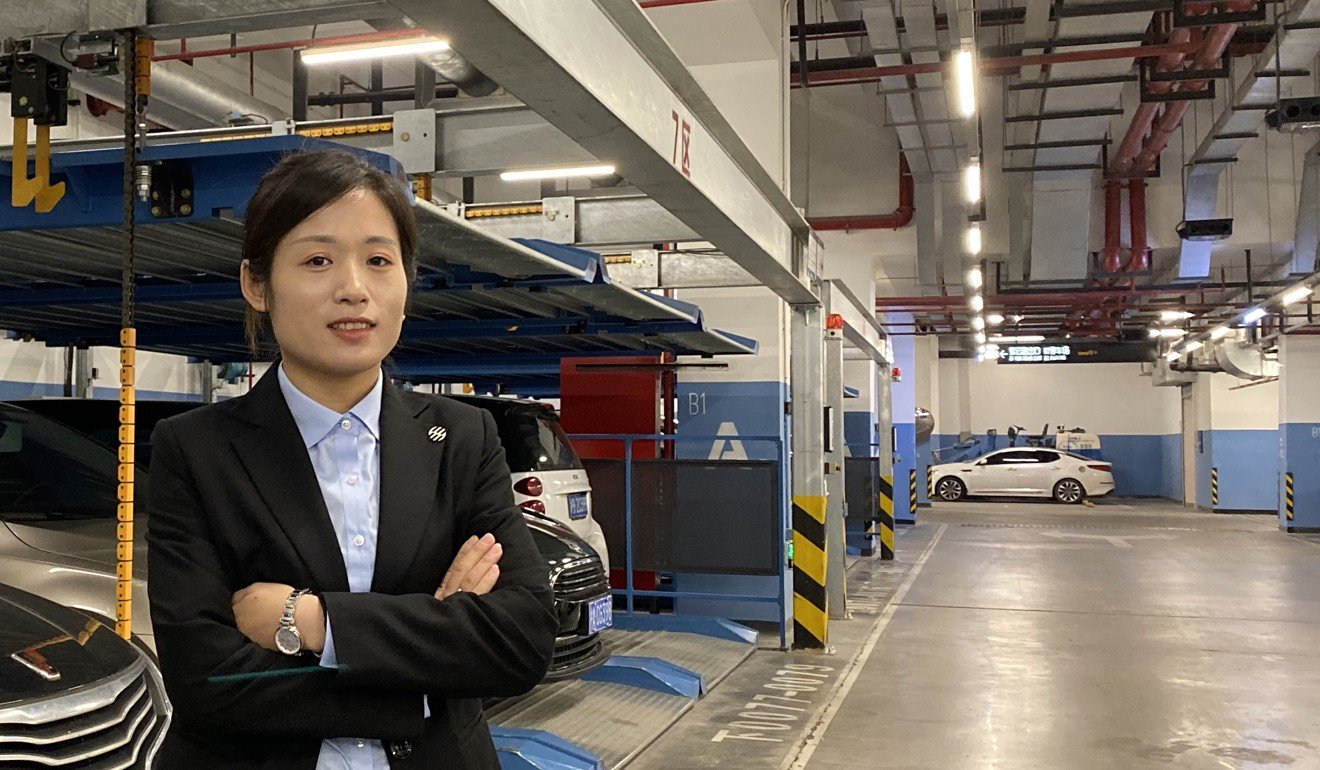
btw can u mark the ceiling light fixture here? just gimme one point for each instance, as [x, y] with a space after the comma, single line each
[974, 278]
[1021, 338]
[1219, 332]
[330, 54]
[1193, 346]
[965, 71]
[529, 174]
[972, 239]
[1172, 355]
[977, 303]
[1173, 316]
[980, 338]
[994, 319]
[972, 183]
[1167, 333]
[1296, 295]
[978, 323]
[1254, 315]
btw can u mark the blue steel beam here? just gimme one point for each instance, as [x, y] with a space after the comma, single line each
[547, 329]
[225, 174]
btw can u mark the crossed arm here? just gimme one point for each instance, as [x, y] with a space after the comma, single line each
[446, 644]
[257, 608]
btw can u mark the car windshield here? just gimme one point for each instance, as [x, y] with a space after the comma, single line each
[49, 472]
[534, 441]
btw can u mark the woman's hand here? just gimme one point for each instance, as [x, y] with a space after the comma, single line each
[475, 569]
[257, 611]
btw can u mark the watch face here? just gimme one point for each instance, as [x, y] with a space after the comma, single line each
[288, 640]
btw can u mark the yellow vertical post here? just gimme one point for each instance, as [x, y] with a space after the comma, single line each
[127, 448]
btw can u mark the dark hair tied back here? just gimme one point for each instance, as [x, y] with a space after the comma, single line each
[297, 187]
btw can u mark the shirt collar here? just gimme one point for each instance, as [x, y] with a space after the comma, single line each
[315, 420]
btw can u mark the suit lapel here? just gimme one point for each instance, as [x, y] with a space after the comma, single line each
[409, 470]
[277, 461]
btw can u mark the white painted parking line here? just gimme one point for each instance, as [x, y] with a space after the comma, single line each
[817, 730]
[1118, 541]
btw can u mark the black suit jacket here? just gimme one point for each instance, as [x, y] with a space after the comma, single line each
[234, 500]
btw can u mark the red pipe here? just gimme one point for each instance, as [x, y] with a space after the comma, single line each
[898, 218]
[365, 37]
[1141, 121]
[1113, 225]
[666, 3]
[1208, 55]
[993, 66]
[1140, 261]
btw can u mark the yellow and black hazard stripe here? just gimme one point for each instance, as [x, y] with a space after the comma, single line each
[930, 482]
[886, 517]
[811, 611]
[1288, 496]
[912, 491]
[1214, 486]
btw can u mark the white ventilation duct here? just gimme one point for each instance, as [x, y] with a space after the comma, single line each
[1258, 81]
[1245, 360]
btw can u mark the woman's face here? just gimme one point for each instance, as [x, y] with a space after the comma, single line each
[337, 289]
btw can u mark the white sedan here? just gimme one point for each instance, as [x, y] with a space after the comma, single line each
[1024, 472]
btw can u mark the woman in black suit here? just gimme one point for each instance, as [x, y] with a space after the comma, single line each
[338, 574]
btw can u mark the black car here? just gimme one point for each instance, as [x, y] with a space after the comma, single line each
[582, 593]
[72, 693]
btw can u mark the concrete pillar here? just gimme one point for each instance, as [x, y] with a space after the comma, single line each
[810, 541]
[834, 452]
[904, 432]
[1299, 434]
[926, 394]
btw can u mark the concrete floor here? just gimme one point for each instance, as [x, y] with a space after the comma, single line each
[1025, 635]
[1120, 636]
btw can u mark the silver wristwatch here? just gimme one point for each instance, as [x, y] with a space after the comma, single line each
[287, 638]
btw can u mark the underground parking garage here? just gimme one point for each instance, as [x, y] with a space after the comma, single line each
[659, 383]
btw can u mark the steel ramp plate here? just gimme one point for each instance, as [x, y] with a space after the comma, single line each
[614, 722]
[709, 657]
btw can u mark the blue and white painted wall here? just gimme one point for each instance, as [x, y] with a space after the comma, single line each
[1237, 424]
[32, 370]
[1112, 400]
[1299, 432]
[746, 399]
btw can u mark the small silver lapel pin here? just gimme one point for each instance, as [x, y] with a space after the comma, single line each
[437, 433]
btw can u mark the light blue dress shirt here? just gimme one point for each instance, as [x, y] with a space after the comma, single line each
[345, 453]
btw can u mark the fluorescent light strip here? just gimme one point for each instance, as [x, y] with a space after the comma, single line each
[965, 72]
[525, 175]
[1172, 355]
[972, 239]
[1173, 316]
[1167, 333]
[972, 183]
[1254, 315]
[1193, 346]
[994, 319]
[1296, 295]
[331, 54]
[1010, 340]
[1219, 332]
[975, 278]
[976, 302]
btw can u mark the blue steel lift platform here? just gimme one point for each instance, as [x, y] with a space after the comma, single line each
[485, 308]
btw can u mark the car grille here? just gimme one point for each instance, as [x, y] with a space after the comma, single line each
[581, 579]
[575, 654]
[113, 725]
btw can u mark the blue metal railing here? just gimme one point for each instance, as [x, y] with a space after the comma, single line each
[630, 592]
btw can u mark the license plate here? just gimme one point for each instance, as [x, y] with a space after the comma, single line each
[600, 614]
[577, 505]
